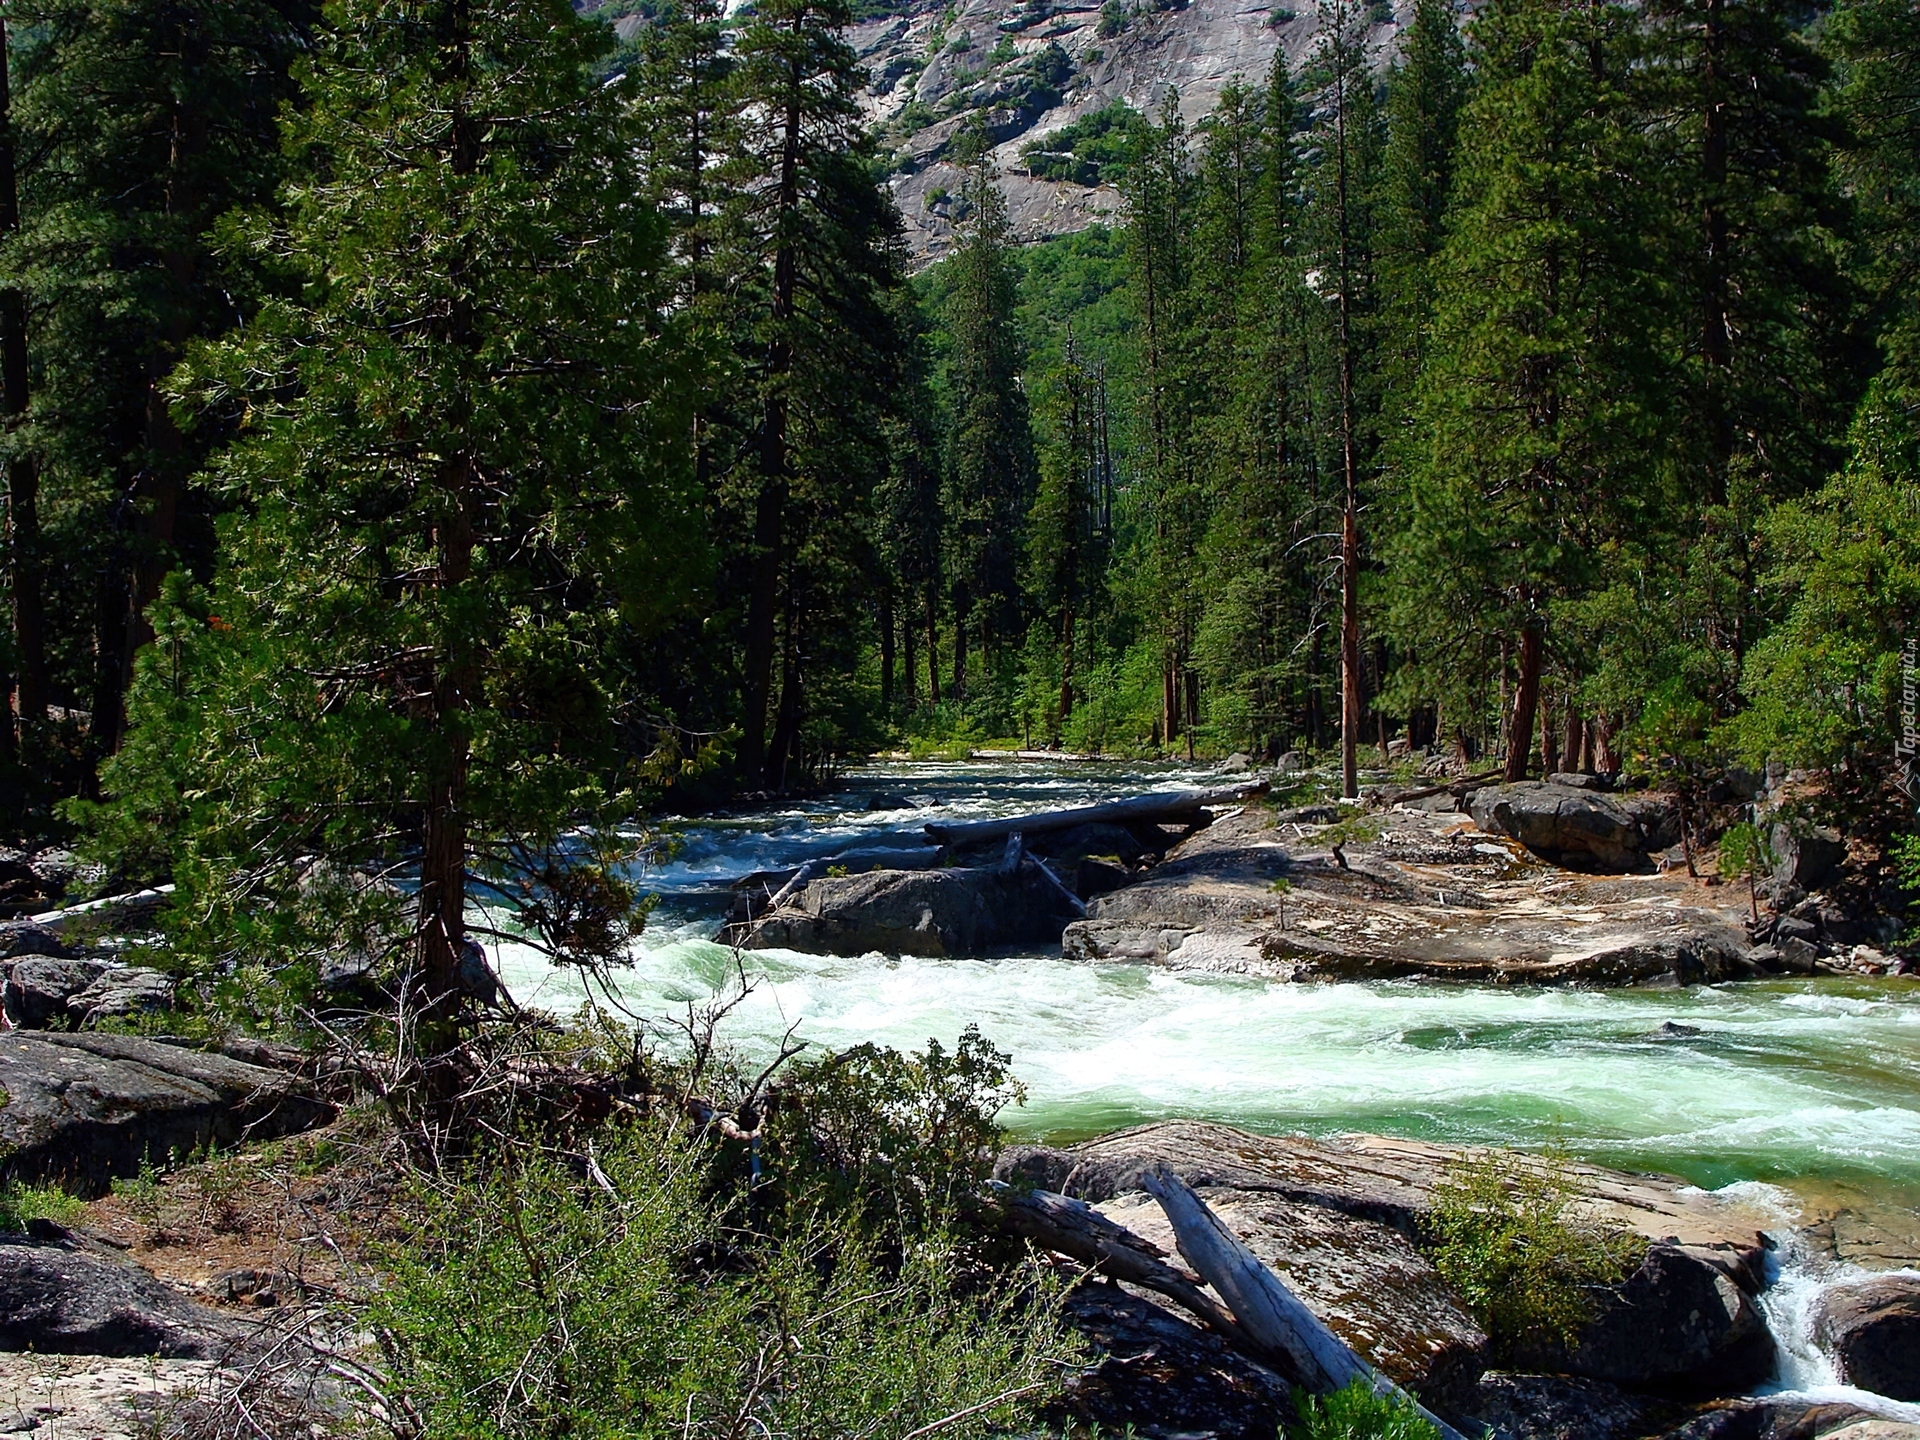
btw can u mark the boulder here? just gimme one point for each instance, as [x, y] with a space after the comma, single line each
[1772, 1419]
[38, 988]
[1338, 1222]
[1578, 829]
[1805, 856]
[912, 912]
[86, 1108]
[56, 1298]
[1873, 1331]
[1679, 1325]
[1574, 780]
[23, 937]
[1154, 1373]
[1365, 1279]
[886, 801]
[1560, 1407]
[120, 991]
[1237, 763]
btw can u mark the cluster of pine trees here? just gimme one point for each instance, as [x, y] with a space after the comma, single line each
[1549, 394]
[432, 429]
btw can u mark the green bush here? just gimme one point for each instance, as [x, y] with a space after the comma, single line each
[1499, 1233]
[620, 1292]
[1356, 1413]
[20, 1204]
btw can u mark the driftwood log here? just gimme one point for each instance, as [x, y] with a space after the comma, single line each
[1261, 1317]
[1178, 806]
[1075, 1229]
[1270, 1314]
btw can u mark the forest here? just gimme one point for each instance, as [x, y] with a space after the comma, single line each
[437, 430]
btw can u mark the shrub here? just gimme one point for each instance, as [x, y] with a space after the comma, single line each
[616, 1293]
[1356, 1413]
[1499, 1233]
[20, 1204]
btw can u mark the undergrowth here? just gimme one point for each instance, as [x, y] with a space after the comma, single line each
[1357, 1413]
[21, 1204]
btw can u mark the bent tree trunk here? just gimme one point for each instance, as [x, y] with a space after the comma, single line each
[1526, 701]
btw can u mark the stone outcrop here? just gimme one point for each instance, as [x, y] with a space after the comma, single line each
[1428, 896]
[1873, 1331]
[121, 991]
[1576, 827]
[37, 988]
[86, 1108]
[1339, 1222]
[58, 1298]
[908, 912]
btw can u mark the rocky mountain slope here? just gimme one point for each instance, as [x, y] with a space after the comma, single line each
[1032, 69]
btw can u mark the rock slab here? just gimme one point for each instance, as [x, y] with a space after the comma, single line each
[1873, 1330]
[56, 1298]
[83, 1109]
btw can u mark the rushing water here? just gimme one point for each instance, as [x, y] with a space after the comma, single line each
[1792, 1084]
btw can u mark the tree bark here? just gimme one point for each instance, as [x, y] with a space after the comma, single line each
[1549, 741]
[1526, 696]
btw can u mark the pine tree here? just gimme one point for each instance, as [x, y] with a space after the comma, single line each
[1425, 91]
[459, 473]
[148, 119]
[1540, 395]
[990, 461]
[1343, 186]
[816, 254]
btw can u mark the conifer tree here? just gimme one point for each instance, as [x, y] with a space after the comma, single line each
[990, 461]
[146, 120]
[458, 474]
[1425, 91]
[1540, 395]
[1343, 185]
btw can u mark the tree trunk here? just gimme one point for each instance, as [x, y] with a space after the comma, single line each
[23, 471]
[933, 649]
[769, 510]
[1066, 663]
[1549, 741]
[886, 652]
[1526, 696]
[960, 648]
[1574, 731]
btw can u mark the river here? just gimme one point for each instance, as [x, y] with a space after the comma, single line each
[1793, 1093]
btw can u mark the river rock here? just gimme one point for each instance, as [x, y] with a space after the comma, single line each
[1575, 828]
[1157, 1374]
[24, 937]
[1873, 1330]
[86, 1108]
[1805, 856]
[1429, 896]
[1681, 1324]
[1560, 1407]
[120, 991]
[38, 988]
[57, 1298]
[899, 912]
[1337, 1220]
[1771, 1419]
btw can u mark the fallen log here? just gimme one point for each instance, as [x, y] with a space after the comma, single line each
[1183, 805]
[1075, 1229]
[113, 910]
[1456, 786]
[1270, 1314]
